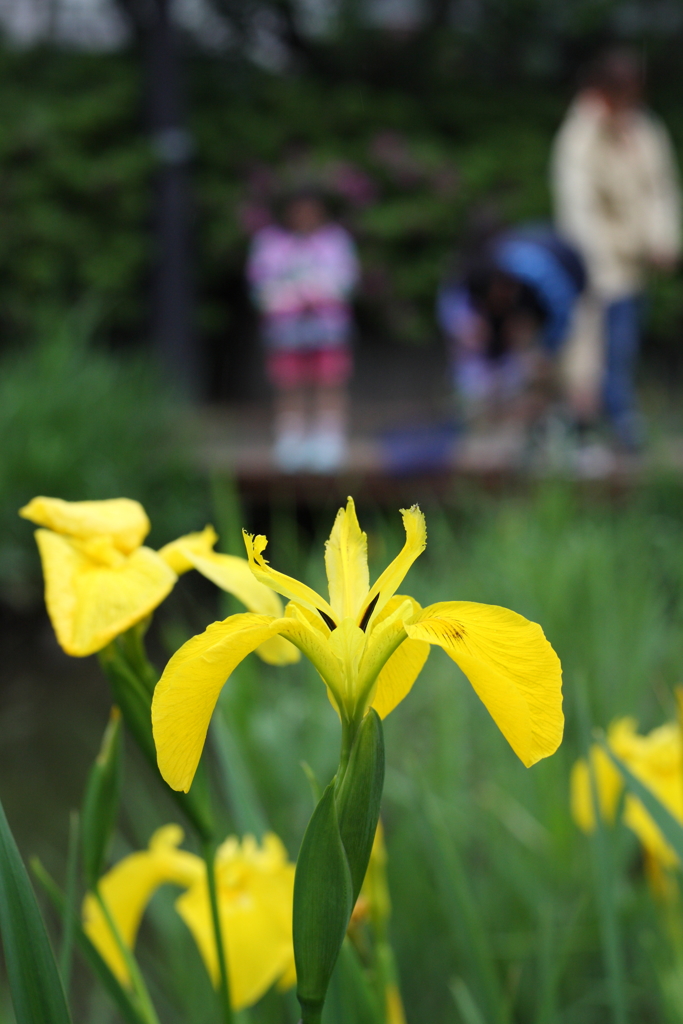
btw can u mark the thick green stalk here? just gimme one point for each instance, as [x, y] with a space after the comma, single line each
[209, 855]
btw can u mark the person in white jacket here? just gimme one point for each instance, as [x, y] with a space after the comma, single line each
[617, 200]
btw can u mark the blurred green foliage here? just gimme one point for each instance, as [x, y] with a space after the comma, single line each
[495, 891]
[406, 168]
[78, 422]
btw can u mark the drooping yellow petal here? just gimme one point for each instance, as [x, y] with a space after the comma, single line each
[278, 581]
[255, 896]
[346, 562]
[122, 519]
[89, 602]
[187, 692]
[128, 888]
[176, 552]
[416, 541]
[510, 664]
[396, 679]
[609, 785]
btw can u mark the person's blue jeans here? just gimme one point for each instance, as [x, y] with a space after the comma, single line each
[622, 336]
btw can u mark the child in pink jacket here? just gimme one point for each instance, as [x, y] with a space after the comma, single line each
[302, 274]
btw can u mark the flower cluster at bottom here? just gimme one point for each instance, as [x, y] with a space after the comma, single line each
[255, 886]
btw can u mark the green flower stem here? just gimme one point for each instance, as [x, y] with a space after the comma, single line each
[349, 731]
[209, 855]
[145, 1004]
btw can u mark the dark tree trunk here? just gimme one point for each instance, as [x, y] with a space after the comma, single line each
[172, 307]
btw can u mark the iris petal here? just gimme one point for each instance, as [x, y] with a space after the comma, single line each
[278, 581]
[186, 694]
[255, 896]
[346, 562]
[89, 603]
[122, 519]
[395, 681]
[392, 577]
[128, 888]
[511, 666]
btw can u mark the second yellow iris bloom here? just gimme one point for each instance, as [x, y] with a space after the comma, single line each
[255, 886]
[369, 645]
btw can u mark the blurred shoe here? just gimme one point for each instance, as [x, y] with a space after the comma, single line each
[594, 461]
[327, 452]
[290, 452]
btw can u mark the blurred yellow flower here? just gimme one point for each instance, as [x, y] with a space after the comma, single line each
[255, 887]
[656, 760]
[369, 645]
[100, 580]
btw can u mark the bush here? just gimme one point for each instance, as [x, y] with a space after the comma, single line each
[78, 422]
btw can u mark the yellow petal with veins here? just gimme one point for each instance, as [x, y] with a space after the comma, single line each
[278, 581]
[128, 888]
[90, 603]
[122, 519]
[392, 577]
[511, 666]
[346, 562]
[189, 687]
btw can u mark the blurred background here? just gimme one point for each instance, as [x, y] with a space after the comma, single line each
[143, 143]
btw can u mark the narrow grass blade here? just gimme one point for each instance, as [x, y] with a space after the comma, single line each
[603, 878]
[464, 1000]
[671, 829]
[469, 934]
[35, 985]
[119, 996]
[247, 810]
[66, 950]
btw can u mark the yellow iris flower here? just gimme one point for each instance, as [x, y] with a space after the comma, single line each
[100, 580]
[255, 887]
[369, 645]
[656, 760]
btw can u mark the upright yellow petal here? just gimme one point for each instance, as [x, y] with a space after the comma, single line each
[90, 603]
[346, 562]
[511, 666]
[187, 692]
[122, 519]
[278, 581]
[128, 888]
[416, 541]
[396, 679]
[255, 897]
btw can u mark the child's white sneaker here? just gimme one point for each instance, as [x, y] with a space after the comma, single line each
[290, 452]
[327, 451]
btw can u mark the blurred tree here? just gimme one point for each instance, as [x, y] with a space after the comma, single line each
[172, 307]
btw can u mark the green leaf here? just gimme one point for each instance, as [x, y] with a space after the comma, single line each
[121, 998]
[359, 797]
[671, 829]
[37, 994]
[322, 906]
[101, 803]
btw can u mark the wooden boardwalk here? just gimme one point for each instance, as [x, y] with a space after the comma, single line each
[407, 451]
